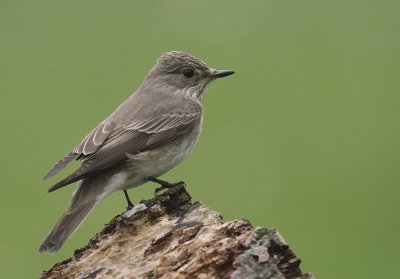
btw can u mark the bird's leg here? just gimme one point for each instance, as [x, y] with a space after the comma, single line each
[130, 204]
[164, 184]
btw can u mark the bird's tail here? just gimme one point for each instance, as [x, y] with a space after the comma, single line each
[83, 201]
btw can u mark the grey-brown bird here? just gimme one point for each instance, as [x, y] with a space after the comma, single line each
[155, 129]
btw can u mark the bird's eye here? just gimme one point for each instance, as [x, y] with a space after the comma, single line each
[188, 73]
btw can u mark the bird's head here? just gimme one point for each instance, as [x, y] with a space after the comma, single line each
[184, 74]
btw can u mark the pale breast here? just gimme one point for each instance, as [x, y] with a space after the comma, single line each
[158, 161]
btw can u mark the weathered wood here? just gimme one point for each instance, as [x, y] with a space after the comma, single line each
[171, 237]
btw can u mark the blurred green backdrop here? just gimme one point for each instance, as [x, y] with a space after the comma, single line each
[304, 137]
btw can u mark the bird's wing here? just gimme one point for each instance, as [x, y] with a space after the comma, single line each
[131, 138]
[87, 146]
[95, 138]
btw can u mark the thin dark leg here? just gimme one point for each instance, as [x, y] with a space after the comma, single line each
[164, 184]
[130, 204]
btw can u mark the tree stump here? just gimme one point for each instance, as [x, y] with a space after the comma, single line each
[171, 237]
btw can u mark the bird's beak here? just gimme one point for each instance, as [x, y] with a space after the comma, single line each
[221, 73]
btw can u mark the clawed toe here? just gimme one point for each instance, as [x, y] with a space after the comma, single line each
[168, 186]
[159, 189]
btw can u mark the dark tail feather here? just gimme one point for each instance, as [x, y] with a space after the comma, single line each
[83, 201]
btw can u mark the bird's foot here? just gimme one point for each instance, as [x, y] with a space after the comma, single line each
[169, 186]
[165, 185]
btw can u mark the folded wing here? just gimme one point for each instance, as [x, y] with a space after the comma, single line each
[103, 149]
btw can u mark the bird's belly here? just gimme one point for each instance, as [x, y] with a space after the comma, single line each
[158, 161]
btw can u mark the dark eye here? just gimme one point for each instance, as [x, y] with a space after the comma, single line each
[188, 73]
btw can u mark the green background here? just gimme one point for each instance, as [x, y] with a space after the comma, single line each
[304, 137]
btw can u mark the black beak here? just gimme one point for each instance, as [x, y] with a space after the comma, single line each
[222, 73]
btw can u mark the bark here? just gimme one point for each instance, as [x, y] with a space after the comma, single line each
[171, 237]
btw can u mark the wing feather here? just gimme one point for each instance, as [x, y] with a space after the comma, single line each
[87, 146]
[126, 139]
[95, 138]
[61, 164]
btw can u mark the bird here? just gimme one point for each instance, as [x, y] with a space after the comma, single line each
[151, 132]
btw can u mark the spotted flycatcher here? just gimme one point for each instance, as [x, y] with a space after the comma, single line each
[155, 129]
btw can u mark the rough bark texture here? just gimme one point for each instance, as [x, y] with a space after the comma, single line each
[171, 237]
